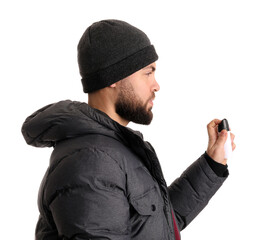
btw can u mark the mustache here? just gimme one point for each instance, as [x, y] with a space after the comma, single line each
[151, 98]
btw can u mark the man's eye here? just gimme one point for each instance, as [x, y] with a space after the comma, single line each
[148, 73]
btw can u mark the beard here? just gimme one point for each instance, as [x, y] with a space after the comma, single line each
[131, 108]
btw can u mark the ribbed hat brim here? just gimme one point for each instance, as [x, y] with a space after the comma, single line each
[120, 70]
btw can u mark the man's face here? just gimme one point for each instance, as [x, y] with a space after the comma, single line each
[136, 94]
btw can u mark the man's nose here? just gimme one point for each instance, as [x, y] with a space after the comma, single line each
[156, 86]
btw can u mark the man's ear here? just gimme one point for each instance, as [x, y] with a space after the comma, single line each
[113, 85]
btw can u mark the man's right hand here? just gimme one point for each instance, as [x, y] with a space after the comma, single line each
[216, 142]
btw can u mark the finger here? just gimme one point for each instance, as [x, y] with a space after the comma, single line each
[212, 130]
[214, 123]
[222, 137]
[233, 146]
[232, 137]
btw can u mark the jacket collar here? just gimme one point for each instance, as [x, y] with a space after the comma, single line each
[68, 119]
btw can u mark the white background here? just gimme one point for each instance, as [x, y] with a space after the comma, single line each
[210, 66]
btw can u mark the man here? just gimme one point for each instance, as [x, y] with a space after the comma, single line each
[104, 181]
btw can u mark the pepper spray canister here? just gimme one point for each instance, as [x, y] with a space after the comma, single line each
[228, 145]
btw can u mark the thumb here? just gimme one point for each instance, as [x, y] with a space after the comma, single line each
[222, 137]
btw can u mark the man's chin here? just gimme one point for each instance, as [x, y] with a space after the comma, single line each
[147, 118]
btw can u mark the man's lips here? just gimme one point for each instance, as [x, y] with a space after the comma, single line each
[151, 100]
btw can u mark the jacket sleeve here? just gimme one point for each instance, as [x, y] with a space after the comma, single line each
[191, 192]
[92, 203]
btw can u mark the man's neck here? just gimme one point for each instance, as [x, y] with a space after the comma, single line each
[106, 106]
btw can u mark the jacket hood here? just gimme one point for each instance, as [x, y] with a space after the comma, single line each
[65, 120]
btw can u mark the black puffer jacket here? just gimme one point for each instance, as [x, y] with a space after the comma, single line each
[105, 182]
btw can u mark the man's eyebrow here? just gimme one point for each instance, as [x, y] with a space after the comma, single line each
[152, 67]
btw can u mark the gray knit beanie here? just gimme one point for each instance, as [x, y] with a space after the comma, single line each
[111, 50]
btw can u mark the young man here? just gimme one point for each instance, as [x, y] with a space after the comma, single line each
[104, 181]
